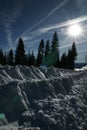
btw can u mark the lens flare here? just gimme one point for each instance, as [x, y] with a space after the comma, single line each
[75, 30]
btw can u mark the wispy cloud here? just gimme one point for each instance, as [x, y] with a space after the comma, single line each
[9, 17]
[64, 24]
[77, 43]
[82, 51]
[30, 36]
[48, 15]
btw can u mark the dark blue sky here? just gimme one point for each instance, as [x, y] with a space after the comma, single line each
[36, 19]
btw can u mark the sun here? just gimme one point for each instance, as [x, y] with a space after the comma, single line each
[75, 30]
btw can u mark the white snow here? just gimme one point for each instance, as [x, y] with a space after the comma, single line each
[49, 96]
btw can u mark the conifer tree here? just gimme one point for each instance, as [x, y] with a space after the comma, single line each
[74, 54]
[47, 56]
[74, 50]
[1, 57]
[32, 57]
[10, 57]
[69, 61]
[55, 49]
[41, 46]
[39, 58]
[71, 57]
[63, 62]
[47, 50]
[5, 59]
[40, 53]
[29, 59]
[20, 53]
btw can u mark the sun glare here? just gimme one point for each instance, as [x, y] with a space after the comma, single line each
[75, 30]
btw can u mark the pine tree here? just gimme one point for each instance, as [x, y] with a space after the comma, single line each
[39, 58]
[40, 53]
[41, 46]
[74, 50]
[47, 50]
[63, 62]
[10, 57]
[1, 57]
[20, 53]
[29, 59]
[47, 56]
[74, 54]
[55, 49]
[5, 59]
[71, 57]
[32, 57]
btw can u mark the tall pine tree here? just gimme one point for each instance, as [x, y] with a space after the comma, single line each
[10, 57]
[47, 56]
[20, 53]
[29, 59]
[55, 49]
[63, 62]
[32, 57]
[47, 50]
[1, 57]
[71, 57]
[40, 53]
[74, 54]
[5, 59]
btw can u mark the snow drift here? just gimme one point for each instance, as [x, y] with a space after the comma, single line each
[44, 98]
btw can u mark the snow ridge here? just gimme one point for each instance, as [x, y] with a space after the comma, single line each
[44, 98]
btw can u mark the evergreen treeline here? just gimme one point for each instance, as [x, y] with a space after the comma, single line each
[48, 54]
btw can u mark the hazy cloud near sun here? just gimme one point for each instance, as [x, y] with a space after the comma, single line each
[64, 24]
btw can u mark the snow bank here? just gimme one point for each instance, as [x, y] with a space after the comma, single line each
[82, 69]
[44, 98]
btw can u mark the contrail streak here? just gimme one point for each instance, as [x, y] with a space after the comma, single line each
[64, 24]
[8, 19]
[65, 46]
[82, 51]
[53, 11]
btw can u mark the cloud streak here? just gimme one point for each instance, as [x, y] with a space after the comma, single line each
[64, 24]
[27, 35]
[77, 43]
[8, 19]
[49, 14]
[32, 35]
[82, 51]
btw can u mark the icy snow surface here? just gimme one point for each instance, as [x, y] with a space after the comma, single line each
[43, 98]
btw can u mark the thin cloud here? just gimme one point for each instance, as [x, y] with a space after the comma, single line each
[82, 51]
[52, 12]
[8, 19]
[27, 35]
[62, 47]
[32, 43]
[77, 43]
[40, 31]
[64, 24]
[8, 30]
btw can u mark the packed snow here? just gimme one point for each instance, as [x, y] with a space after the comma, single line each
[42, 98]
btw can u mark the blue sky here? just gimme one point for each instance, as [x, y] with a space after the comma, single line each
[36, 19]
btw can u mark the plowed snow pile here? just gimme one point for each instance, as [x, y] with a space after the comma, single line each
[42, 98]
